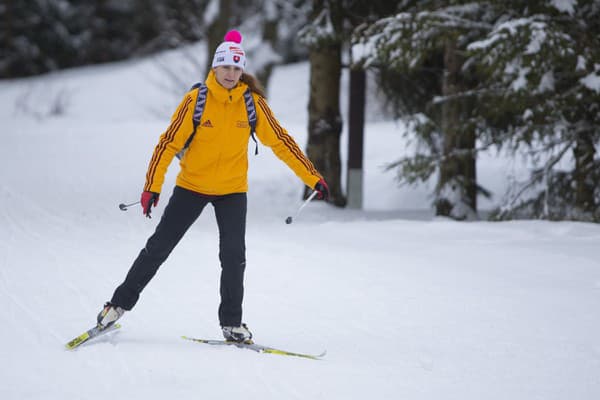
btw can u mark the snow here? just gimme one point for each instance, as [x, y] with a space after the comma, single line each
[485, 43]
[211, 13]
[567, 6]
[407, 306]
[513, 25]
[520, 83]
[264, 54]
[546, 82]
[581, 61]
[538, 37]
[592, 80]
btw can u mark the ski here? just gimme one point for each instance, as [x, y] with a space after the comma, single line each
[250, 345]
[90, 334]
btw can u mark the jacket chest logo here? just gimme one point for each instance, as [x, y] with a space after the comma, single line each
[207, 124]
[242, 124]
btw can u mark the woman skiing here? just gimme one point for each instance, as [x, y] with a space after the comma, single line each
[213, 170]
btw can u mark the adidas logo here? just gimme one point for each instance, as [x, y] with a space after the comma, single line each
[207, 124]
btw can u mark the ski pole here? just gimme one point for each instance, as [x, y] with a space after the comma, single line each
[289, 219]
[123, 206]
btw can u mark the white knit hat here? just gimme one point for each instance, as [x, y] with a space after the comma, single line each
[230, 52]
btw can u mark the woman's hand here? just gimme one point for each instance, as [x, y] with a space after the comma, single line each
[322, 190]
[149, 198]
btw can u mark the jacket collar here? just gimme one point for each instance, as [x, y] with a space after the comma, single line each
[222, 94]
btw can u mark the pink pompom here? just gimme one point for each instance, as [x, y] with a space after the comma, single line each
[233, 36]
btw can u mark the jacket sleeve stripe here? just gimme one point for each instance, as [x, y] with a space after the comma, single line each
[286, 139]
[164, 141]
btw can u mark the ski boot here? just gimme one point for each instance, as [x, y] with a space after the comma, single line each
[109, 315]
[239, 334]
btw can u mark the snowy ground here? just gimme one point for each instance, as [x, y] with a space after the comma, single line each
[408, 307]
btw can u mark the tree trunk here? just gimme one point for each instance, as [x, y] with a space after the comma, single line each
[324, 117]
[584, 153]
[217, 30]
[457, 185]
[269, 36]
[325, 121]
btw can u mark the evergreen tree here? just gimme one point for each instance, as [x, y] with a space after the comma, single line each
[527, 84]
[428, 40]
[541, 100]
[38, 36]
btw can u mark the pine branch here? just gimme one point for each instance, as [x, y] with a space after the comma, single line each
[455, 21]
[540, 173]
[466, 94]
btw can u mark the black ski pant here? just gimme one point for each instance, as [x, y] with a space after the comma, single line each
[183, 209]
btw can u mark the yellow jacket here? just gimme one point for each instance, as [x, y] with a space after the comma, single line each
[216, 162]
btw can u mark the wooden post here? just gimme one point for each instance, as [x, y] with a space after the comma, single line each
[356, 138]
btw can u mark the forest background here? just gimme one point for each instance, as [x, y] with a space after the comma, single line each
[520, 79]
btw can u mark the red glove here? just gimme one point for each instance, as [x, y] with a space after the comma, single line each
[322, 190]
[149, 198]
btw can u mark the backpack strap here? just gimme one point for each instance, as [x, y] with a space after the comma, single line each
[198, 111]
[251, 111]
[200, 103]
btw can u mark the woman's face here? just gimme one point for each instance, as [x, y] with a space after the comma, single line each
[228, 75]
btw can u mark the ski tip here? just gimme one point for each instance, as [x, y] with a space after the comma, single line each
[90, 334]
[70, 346]
[192, 339]
[77, 341]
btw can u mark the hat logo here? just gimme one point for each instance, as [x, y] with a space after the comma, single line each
[236, 50]
[236, 59]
